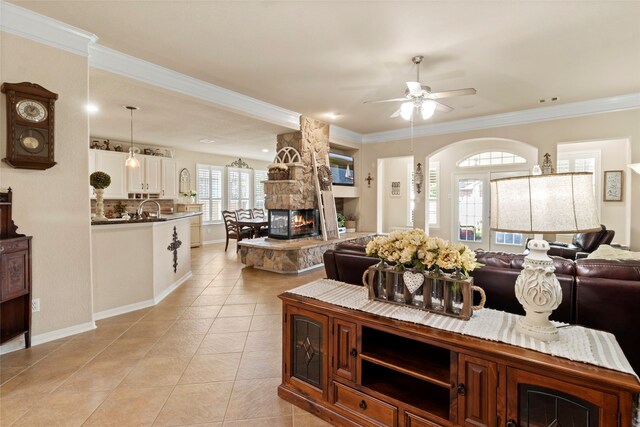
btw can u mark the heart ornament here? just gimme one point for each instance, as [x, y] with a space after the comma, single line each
[413, 281]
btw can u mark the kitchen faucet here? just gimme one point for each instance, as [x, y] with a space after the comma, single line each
[145, 201]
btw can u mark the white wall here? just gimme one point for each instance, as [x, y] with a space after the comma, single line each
[544, 135]
[614, 155]
[395, 208]
[52, 205]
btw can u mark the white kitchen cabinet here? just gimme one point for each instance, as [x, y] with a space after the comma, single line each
[113, 164]
[169, 179]
[147, 178]
[196, 222]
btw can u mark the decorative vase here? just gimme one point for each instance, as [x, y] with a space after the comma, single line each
[437, 290]
[398, 288]
[380, 279]
[99, 204]
[456, 299]
[192, 199]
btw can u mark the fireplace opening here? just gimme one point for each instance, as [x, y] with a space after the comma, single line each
[293, 224]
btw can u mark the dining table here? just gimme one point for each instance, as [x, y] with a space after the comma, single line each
[254, 224]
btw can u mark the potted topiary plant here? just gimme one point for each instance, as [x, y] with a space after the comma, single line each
[99, 181]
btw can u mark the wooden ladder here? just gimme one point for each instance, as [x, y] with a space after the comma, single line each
[327, 206]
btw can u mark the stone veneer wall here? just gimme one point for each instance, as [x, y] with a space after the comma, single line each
[300, 192]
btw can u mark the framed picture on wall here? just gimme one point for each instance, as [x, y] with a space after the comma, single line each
[613, 186]
[395, 189]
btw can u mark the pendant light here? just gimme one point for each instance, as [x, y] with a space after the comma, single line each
[132, 162]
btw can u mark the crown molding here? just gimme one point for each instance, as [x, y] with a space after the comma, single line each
[116, 62]
[42, 29]
[534, 115]
[339, 134]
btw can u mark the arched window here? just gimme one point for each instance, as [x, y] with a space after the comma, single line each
[490, 158]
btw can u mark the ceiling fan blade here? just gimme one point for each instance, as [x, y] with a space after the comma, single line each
[396, 114]
[385, 100]
[443, 107]
[450, 93]
[415, 88]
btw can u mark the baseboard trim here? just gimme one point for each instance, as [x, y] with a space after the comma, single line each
[123, 309]
[18, 342]
[172, 288]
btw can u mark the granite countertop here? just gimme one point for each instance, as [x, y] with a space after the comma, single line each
[163, 218]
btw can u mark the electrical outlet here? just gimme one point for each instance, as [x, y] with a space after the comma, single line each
[35, 305]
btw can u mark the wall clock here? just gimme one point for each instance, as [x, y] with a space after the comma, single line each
[30, 125]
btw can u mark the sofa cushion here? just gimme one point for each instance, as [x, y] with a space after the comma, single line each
[609, 269]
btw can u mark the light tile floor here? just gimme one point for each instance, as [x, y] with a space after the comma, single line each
[209, 354]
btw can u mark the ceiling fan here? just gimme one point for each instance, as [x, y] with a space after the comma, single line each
[419, 98]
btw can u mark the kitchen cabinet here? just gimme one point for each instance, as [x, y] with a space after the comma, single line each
[355, 368]
[196, 222]
[113, 164]
[169, 179]
[147, 178]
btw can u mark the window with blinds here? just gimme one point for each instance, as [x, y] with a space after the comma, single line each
[210, 191]
[434, 189]
[258, 188]
[239, 183]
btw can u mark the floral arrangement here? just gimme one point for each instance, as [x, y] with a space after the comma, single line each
[190, 193]
[414, 249]
[278, 167]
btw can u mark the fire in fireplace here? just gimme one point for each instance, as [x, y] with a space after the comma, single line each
[293, 224]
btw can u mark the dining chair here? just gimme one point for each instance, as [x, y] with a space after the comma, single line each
[231, 228]
[259, 214]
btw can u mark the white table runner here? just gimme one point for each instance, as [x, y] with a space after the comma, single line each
[576, 342]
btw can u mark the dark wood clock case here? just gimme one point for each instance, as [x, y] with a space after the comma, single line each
[42, 131]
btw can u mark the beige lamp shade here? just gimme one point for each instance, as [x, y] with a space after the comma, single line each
[555, 203]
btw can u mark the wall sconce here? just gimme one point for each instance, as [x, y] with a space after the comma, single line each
[635, 167]
[418, 178]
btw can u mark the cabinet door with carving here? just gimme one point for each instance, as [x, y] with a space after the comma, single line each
[477, 391]
[344, 349]
[305, 352]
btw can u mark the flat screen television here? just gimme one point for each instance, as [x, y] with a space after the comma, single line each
[341, 169]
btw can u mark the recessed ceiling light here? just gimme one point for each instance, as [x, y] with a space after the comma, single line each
[264, 150]
[333, 116]
[207, 141]
[92, 108]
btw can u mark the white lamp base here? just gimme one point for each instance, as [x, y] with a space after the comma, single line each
[539, 292]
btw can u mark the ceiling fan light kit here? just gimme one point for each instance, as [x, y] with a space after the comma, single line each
[419, 98]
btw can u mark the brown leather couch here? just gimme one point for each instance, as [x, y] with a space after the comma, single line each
[599, 294]
[582, 244]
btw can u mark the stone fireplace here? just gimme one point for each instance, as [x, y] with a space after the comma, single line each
[286, 224]
[287, 198]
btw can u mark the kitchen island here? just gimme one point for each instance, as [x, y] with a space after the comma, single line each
[137, 263]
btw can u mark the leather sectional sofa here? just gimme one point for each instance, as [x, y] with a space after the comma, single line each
[599, 294]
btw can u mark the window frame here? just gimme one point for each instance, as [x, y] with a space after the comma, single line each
[256, 182]
[249, 197]
[211, 168]
[433, 165]
[460, 162]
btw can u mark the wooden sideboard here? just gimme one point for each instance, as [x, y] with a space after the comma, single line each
[15, 276]
[357, 369]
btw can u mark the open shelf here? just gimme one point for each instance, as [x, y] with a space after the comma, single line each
[420, 394]
[412, 358]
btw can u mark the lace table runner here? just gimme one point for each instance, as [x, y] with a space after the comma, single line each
[576, 342]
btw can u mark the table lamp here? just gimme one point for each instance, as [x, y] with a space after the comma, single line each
[556, 203]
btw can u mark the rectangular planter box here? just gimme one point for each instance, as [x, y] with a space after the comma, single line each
[441, 294]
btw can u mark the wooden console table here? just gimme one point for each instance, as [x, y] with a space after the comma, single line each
[358, 369]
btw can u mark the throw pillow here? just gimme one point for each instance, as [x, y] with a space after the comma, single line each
[608, 252]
